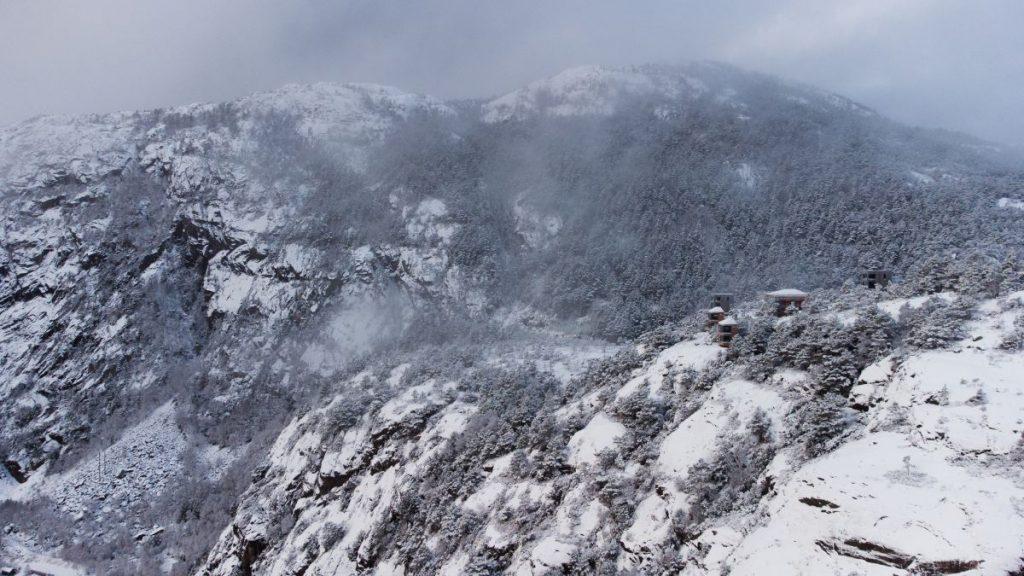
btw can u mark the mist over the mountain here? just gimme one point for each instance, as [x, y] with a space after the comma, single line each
[345, 329]
[942, 64]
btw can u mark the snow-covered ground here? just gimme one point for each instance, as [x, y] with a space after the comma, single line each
[1011, 203]
[927, 485]
[692, 354]
[886, 502]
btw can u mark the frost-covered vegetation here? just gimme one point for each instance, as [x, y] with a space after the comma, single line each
[341, 329]
[645, 463]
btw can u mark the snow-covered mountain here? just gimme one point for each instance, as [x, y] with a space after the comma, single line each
[340, 329]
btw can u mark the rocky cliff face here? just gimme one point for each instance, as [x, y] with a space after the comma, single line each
[151, 257]
[343, 329]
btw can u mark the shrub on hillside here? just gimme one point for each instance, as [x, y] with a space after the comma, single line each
[937, 323]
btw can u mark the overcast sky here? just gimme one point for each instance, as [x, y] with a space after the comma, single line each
[947, 63]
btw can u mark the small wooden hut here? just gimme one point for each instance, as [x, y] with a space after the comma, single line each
[715, 315]
[727, 329]
[723, 300]
[787, 300]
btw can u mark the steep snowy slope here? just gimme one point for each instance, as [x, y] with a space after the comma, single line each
[144, 254]
[664, 458]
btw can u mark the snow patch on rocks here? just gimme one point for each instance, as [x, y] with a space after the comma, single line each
[429, 222]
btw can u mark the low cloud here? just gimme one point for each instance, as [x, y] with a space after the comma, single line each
[940, 63]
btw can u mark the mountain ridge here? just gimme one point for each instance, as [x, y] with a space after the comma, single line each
[677, 72]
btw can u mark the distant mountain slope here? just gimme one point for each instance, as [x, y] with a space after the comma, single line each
[217, 271]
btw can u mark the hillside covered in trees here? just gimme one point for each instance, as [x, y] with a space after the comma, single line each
[339, 329]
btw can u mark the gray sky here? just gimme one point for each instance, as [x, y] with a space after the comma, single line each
[945, 63]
